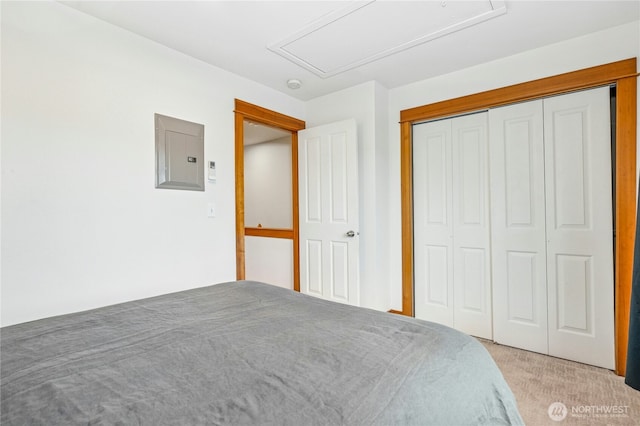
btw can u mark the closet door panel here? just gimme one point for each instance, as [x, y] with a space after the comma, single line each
[518, 226]
[433, 227]
[522, 301]
[471, 238]
[579, 227]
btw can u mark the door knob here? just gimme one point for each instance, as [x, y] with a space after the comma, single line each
[351, 234]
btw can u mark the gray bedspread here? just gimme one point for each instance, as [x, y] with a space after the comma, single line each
[246, 353]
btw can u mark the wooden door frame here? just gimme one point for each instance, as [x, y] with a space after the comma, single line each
[244, 110]
[621, 73]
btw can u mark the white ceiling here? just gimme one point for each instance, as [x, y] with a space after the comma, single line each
[255, 133]
[415, 40]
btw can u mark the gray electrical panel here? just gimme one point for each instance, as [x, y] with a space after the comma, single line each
[179, 154]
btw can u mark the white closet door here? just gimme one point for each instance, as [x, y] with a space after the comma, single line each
[471, 238]
[518, 226]
[579, 227]
[433, 227]
[451, 224]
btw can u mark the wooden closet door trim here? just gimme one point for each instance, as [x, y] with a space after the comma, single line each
[562, 83]
[406, 199]
[621, 73]
[625, 214]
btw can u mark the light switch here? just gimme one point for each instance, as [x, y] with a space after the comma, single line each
[211, 210]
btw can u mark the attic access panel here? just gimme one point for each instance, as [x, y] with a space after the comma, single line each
[367, 31]
[179, 154]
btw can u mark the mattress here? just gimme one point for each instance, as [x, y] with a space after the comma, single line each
[246, 353]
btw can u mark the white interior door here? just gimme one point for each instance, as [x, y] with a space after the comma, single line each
[471, 226]
[580, 227]
[452, 274]
[433, 221]
[328, 186]
[552, 226]
[518, 226]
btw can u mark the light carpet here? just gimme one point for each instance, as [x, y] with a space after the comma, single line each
[588, 395]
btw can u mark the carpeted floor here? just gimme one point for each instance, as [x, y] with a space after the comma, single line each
[591, 395]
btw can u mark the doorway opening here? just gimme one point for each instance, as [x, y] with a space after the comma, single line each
[268, 228]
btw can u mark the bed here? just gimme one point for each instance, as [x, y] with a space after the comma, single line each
[246, 353]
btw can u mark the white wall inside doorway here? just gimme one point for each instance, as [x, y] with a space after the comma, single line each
[267, 184]
[269, 260]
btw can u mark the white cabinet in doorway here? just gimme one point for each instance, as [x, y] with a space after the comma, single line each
[451, 223]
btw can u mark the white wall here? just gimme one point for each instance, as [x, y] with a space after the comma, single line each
[267, 184]
[595, 49]
[269, 260]
[82, 224]
[365, 103]
[383, 191]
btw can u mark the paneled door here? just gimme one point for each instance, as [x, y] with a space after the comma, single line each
[433, 227]
[552, 226]
[580, 227]
[329, 243]
[518, 226]
[451, 223]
